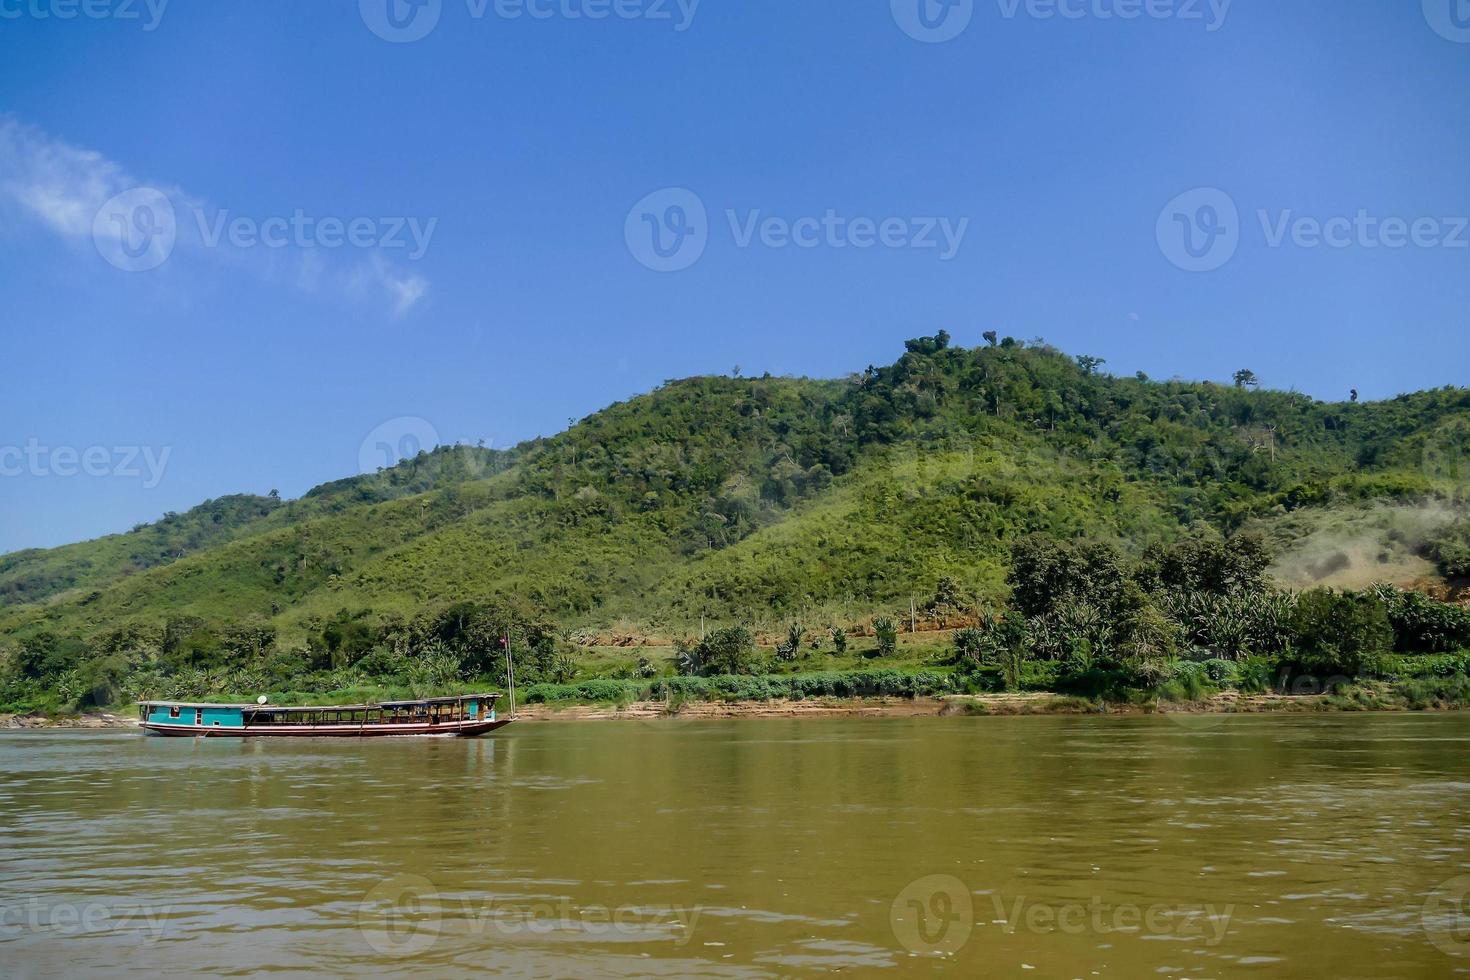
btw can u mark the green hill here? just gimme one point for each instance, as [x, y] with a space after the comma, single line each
[749, 500]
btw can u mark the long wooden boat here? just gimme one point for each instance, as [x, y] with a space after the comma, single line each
[466, 716]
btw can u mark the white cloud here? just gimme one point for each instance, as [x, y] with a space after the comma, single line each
[376, 279]
[61, 185]
[407, 289]
[64, 187]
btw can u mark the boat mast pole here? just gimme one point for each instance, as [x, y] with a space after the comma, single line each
[510, 673]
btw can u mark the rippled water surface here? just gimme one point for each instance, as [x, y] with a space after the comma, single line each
[1324, 846]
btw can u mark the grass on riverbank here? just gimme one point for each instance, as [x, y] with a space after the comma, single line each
[1422, 693]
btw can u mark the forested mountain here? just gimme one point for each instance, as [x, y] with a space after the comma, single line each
[756, 500]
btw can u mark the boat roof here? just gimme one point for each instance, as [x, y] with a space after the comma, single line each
[452, 699]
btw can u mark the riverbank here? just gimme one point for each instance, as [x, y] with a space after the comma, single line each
[1381, 698]
[1227, 702]
[102, 719]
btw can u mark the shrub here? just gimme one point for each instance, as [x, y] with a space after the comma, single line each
[433, 671]
[1424, 625]
[1234, 624]
[730, 650]
[1427, 665]
[380, 665]
[861, 684]
[1257, 675]
[1039, 675]
[645, 668]
[787, 651]
[887, 633]
[1436, 692]
[1341, 632]
[1003, 643]
[839, 639]
[1450, 550]
[970, 648]
[1109, 683]
[563, 669]
[1224, 672]
[1191, 682]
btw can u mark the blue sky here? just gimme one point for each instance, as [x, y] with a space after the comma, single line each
[800, 160]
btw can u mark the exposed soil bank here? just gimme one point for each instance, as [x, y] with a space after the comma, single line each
[1228, 702]
[102, 719]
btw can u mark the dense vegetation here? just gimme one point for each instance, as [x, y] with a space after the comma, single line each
[1080, 530]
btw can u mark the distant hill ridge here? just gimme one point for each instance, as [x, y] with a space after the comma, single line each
[766, 497]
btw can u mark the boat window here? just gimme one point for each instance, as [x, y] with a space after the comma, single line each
[198, 716]
[173, 712]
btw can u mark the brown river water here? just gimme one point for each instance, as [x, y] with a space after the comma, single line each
[1211, 846]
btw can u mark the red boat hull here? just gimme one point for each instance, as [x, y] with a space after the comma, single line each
[460, 729]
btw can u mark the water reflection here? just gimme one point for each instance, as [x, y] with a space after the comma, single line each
[1134, 846]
